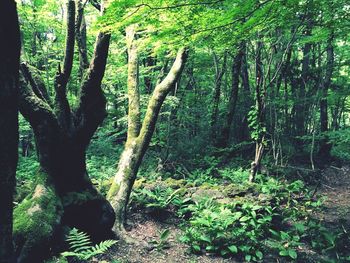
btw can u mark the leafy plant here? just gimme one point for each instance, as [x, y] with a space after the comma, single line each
[162, 242]
[82, 248]
[158, 198]
[228, 229]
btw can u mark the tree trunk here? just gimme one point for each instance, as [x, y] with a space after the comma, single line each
[64, 194]
[219, 73]
[236, 70]
[301, 104]
[260, 96]
[325, 146]
[9, 67]
[138, 142]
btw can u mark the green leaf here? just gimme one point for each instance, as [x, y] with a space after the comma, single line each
[196, 248]
[233, 249]
[165, 234]
[244, 218]
[292, 253]
[259, 254]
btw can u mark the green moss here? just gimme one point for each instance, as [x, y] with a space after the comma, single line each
[113, 191]
[35, 219]
[175, 184]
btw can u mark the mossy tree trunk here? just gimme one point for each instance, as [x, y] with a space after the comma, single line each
[66, 195]
[9, 67]
[139, 136]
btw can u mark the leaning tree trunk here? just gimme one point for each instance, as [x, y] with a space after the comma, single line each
[139, 137]
[9, 67]
[64, 193]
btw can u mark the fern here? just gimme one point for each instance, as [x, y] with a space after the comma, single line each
[81, 246]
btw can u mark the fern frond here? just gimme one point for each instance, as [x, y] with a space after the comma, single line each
[81, 245]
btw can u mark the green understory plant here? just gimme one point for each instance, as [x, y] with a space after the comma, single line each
[162, 242]
[82, 248]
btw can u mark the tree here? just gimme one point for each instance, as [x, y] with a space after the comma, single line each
[139, 136]
[64, 194]
[9, 67]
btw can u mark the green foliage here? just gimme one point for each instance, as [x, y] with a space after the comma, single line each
[28, 168]
[328, 240]
[258, 129]
[158, 198]
[81, 246]
[232, 229]
[162, 242]
[235, 175]
[244, 228]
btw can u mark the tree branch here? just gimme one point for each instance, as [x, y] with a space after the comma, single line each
[36, 83]
[34, 110]
[159, 94]
[61, 79]
[91, 109]
[96, 4]
[80, 35]
[133, 89]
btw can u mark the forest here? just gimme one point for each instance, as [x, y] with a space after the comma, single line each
[146, 131]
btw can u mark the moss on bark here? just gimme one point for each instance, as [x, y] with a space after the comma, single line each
[36, 220]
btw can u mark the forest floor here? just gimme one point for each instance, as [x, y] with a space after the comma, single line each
[145, 229]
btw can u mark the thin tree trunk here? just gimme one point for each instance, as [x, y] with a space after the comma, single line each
[80, 36]
[260, 94]
[325, 146]
[9, 67]
[301, 103]
[219, 73]
[236, 70]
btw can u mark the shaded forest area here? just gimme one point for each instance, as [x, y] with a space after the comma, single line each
[174, 131]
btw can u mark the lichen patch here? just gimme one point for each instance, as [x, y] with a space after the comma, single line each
[33, 209]
[39, 191]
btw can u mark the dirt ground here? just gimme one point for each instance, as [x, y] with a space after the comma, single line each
[336, 213]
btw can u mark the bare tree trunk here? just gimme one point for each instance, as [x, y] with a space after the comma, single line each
[139, 137]
[9, 67]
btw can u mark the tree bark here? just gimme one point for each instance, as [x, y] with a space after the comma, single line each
[260, 96]
[236, 70]
[136, 146]
[219, 73]
[80, 36]
[325, 146]
[9, 67]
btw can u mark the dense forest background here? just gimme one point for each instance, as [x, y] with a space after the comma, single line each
[206, 131]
